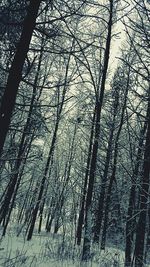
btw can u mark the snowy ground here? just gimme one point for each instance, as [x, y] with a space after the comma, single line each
[46, 251]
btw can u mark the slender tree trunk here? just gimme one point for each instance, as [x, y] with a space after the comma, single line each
[50, 216]
[41, 214]
[130, 224]
[35, 210]
[49, 222]
[112, 180]
[113, 176]
[25, 201]
[141, 226]
[99, 211]
[87, 236]
[18, 177]
[147, 249]
[82, 209]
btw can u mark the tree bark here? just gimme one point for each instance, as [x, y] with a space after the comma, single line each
[14, 78]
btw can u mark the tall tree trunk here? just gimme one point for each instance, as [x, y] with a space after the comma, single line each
[14, 78]
[147, 248]
[82, 209]
[112, 179]
[87, 236]
[113, 176]
[141, 226]
[99, 211]
[130, 224]
[40, 195]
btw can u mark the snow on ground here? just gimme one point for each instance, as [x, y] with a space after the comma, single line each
[46, 251]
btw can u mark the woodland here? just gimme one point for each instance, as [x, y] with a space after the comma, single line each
[75, 129]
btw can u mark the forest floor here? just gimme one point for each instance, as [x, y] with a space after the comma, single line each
[47, 250]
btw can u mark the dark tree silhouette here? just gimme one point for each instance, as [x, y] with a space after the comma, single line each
[15, 73]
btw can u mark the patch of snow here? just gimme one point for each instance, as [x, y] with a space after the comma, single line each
[46, 251]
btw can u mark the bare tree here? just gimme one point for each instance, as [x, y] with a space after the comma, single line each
[94, 152]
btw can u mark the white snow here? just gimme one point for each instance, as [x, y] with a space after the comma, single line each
[44, 251]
